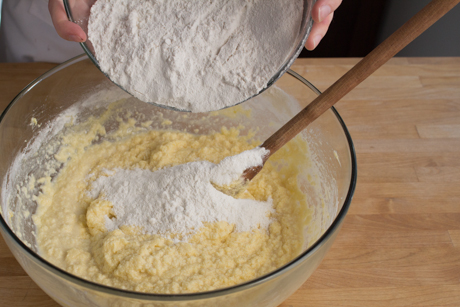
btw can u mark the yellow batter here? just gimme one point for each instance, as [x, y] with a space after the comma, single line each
[70, 225]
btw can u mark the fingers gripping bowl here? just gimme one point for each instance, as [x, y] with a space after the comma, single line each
[78, 83]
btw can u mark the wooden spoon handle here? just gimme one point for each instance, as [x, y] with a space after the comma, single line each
[376, 58]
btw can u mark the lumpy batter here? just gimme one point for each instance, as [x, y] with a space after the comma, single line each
[71, 231]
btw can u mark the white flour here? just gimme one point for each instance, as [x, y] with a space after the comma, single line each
[179, 199]
[193, 55]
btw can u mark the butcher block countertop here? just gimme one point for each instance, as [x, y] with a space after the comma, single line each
[400, 242]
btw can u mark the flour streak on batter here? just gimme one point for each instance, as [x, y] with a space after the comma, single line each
[179, 199]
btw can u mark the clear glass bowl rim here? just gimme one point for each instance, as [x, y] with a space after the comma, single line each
[199, 295]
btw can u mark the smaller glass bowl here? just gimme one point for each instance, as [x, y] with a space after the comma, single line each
[79, 11]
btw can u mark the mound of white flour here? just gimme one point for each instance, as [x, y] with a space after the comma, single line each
[177, 200]
[193, 55]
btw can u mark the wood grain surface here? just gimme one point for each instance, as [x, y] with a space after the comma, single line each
[357, 74]
[400, 242]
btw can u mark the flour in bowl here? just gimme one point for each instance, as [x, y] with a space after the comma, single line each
[193, 55]
[179, 199]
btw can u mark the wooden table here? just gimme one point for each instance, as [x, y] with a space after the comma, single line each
[400, 243]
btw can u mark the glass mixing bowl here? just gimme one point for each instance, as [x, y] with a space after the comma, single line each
[79, 11]
[25, 125]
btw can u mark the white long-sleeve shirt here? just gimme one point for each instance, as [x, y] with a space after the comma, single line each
[27, 34]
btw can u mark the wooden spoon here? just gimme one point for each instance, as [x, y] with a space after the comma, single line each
[379, 56]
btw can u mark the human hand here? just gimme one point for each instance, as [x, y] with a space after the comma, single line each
[322, 14]
[66, 29]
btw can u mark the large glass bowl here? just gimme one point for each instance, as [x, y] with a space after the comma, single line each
[78, 11]
[332, 170]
